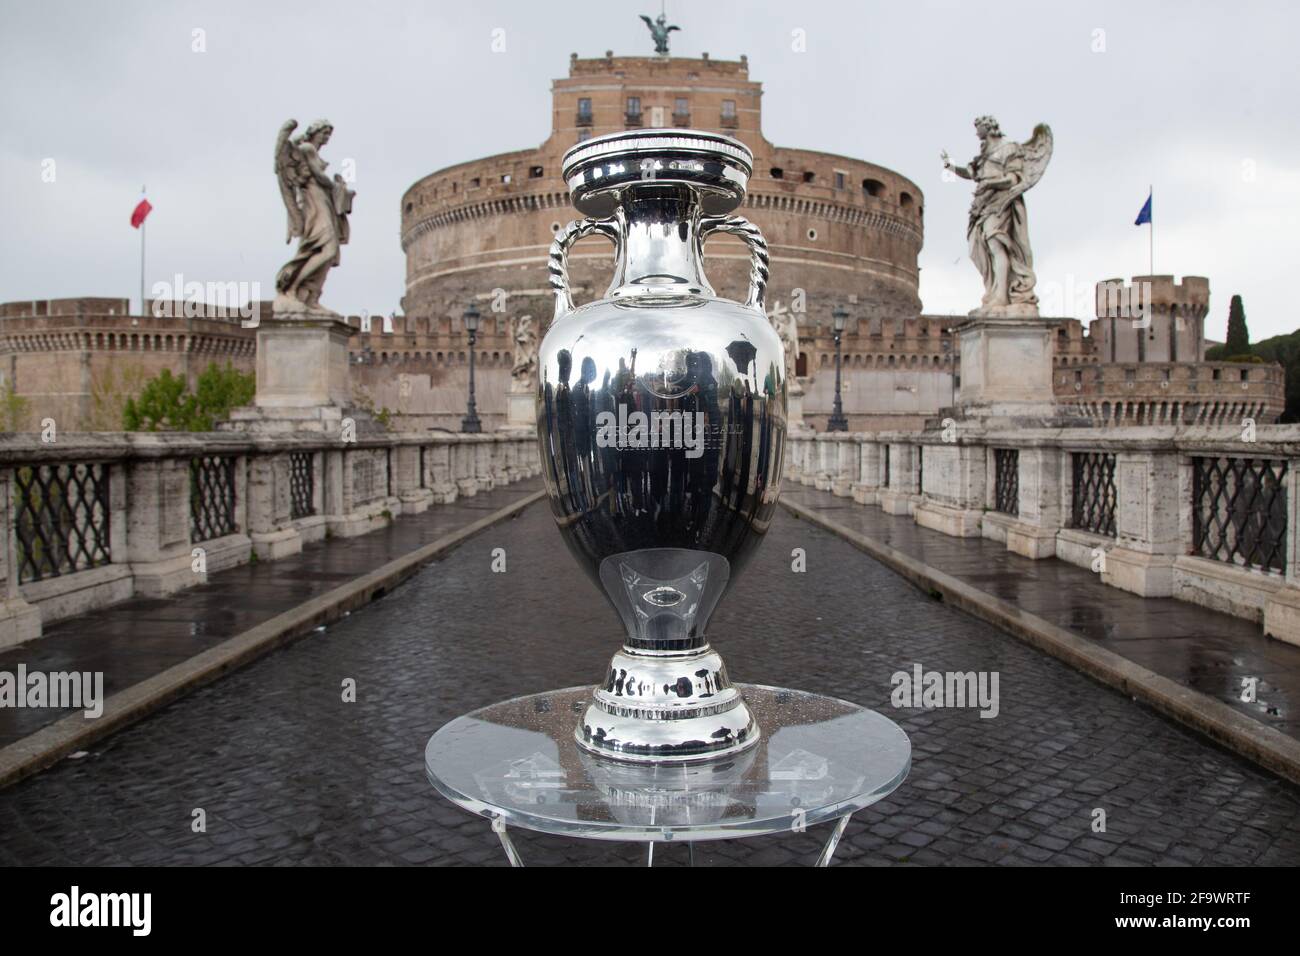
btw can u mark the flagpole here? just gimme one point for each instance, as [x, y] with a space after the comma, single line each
[1151, 231]
[143, 225]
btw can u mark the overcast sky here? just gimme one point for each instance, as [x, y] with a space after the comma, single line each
[1198, 99]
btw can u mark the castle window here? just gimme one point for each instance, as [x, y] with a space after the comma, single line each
[535, 172]
[1215, 376]
[681, 111]
[776, 172]
[584, 134]
[584, 111]
[841, 179]
[812, 234]
[729, 113]
[809, 176]
[408, 207]
[1245, 374]
[873, 187]
[505, 178]
[474, 183]
[905, 199]
[634, 110]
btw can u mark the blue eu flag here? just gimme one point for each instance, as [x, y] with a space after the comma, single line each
[1145, 214]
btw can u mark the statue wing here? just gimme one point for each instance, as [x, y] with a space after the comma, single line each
[289, 171]
[648, 22]
[671, 29]
[1037, 153]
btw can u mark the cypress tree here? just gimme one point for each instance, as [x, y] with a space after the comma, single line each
[1238, 343]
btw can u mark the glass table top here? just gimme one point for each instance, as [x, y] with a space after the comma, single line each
[818, 759]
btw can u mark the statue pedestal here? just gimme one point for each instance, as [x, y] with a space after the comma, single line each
[521, 410]
[1006, 366]
[794, 422]
[303, 379]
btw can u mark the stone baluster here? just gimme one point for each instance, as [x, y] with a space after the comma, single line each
[899, 495]
[955, 474]
[846, 464]
[826, 463]
[1147, 523]
[462, 454]
[1282, 607]
[439, 475]
[408, 483]
[19, 621]
[866, 489]
[270, 527]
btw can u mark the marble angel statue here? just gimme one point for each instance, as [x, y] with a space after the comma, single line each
[318, 209]
[998, 231]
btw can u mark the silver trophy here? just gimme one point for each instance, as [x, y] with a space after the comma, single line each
[661, 418]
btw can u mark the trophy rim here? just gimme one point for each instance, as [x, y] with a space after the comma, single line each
[635, 141]
[597, 170]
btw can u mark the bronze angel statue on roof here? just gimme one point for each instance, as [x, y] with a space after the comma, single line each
[998, 232]
[318, 209]
[659, 30]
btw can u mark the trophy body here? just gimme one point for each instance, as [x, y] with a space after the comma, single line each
[661, 416]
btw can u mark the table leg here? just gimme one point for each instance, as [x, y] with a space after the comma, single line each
[833, 841]
[499, 828]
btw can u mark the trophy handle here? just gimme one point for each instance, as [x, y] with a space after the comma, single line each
[758, 257]
[558, 266]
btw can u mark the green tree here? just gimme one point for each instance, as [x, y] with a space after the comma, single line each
[167, 404]
[218, 390]
[1238, 342]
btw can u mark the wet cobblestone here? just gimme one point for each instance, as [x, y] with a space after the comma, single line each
[287, 773]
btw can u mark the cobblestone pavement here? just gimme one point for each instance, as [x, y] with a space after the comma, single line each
[288, 773]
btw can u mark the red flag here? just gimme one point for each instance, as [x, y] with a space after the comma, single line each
[139, 214]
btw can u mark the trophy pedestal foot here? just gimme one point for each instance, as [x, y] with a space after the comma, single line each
[667, 708]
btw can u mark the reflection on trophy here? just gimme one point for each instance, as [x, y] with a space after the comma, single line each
[661, 417]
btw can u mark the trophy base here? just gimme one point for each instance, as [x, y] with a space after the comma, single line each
[667, 707]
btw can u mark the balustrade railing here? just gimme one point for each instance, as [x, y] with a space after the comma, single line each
[61, 519]
[1093, 493]
[302, 484]
[1006, 480]
[212, 497]
[1239, 511]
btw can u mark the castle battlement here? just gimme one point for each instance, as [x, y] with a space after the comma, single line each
[1164, 293]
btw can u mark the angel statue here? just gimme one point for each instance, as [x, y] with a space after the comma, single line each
[786, 324]
[659, 30]
[318, 209]
[524, 372]
[998, 232]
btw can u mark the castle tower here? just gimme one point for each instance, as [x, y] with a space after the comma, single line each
[1151, 319]
[840, 229]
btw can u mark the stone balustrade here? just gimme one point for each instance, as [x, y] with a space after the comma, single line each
[1205, 514]
[96, 518]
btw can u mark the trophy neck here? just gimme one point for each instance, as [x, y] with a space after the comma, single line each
[661, 253]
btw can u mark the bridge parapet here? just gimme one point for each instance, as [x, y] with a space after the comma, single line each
[96, 518]
[1202, 513]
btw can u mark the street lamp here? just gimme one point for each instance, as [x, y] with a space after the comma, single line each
[837, 422]
[470, 422]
